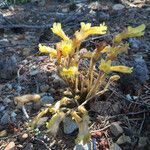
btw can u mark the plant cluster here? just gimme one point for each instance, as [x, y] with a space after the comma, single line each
[84, 83]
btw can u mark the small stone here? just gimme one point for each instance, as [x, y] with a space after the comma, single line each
[2, 107]
[47, 100]
[118, 7]
[65, 10]
[29, 146]
[69, 125]
[23, 137]
[5, 118]
[142, 142]
[81, 146]
[34, 72]
[44, 88]
[115, 146]
[135, 43]
[123, 140]
[26, 52]
[13, 116]
[116, 129]
[10, 146]
[102, 16]
[3, 133]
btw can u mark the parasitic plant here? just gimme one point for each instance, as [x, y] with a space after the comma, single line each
[84, 83]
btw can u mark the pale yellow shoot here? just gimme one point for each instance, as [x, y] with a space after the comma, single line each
[54, 122]
[137, 31]
[58, 30]
[76, 117]
[45, 49]
[71, 72]
[122, 69]
[105, 66]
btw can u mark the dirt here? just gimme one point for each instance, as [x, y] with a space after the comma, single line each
[23, 28]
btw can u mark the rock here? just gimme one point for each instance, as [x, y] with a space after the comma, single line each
[58, 81]
[81, 146]
[13, 116]
[25, 51]
[29, 146]
[102, 16]
[134, 42]
[11, 146]
[116, 129]
[5, 118]
[69, 126]
[47, 100]
[115, 146]
[44, 88]
[23, 137]
[3, 133]
[123, 140]
[65, 10]
[34, 72]
[142, 142]
[118, 7]
[8, 67]
[2, 107]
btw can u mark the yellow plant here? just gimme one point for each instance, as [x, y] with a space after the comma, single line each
[83, 83]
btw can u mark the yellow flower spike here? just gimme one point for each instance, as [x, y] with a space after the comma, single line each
[137, 31]
[71, 72]
[87, 30]
[122, 69]
[101, 29]
[45, 49]
[113, 52]
[58, 30]
[105, 66]
[76, 117]
[66, 47]
[85, 27]
[130, 32]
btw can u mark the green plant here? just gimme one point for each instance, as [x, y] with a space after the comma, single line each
[84, 84]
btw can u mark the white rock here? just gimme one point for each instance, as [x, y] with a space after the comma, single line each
[118, 7]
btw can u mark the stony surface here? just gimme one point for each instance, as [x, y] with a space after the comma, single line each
[116, 129]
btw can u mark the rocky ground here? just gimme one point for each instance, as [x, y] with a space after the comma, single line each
[118, 121]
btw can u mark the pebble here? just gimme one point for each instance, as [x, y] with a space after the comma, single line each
[11, 146]
[81, 146]
[8, 64]
[44, 88]
[25, 52]
[69, 126]
[29, 146]
[2, 107]
[115, 146]
[118, 7]
[5, 118]
[3, 133]
[47, 100]
[23, 137]
[102, 16]
[116, 129]
[123, 140]
[134, 42]
[142, 142]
